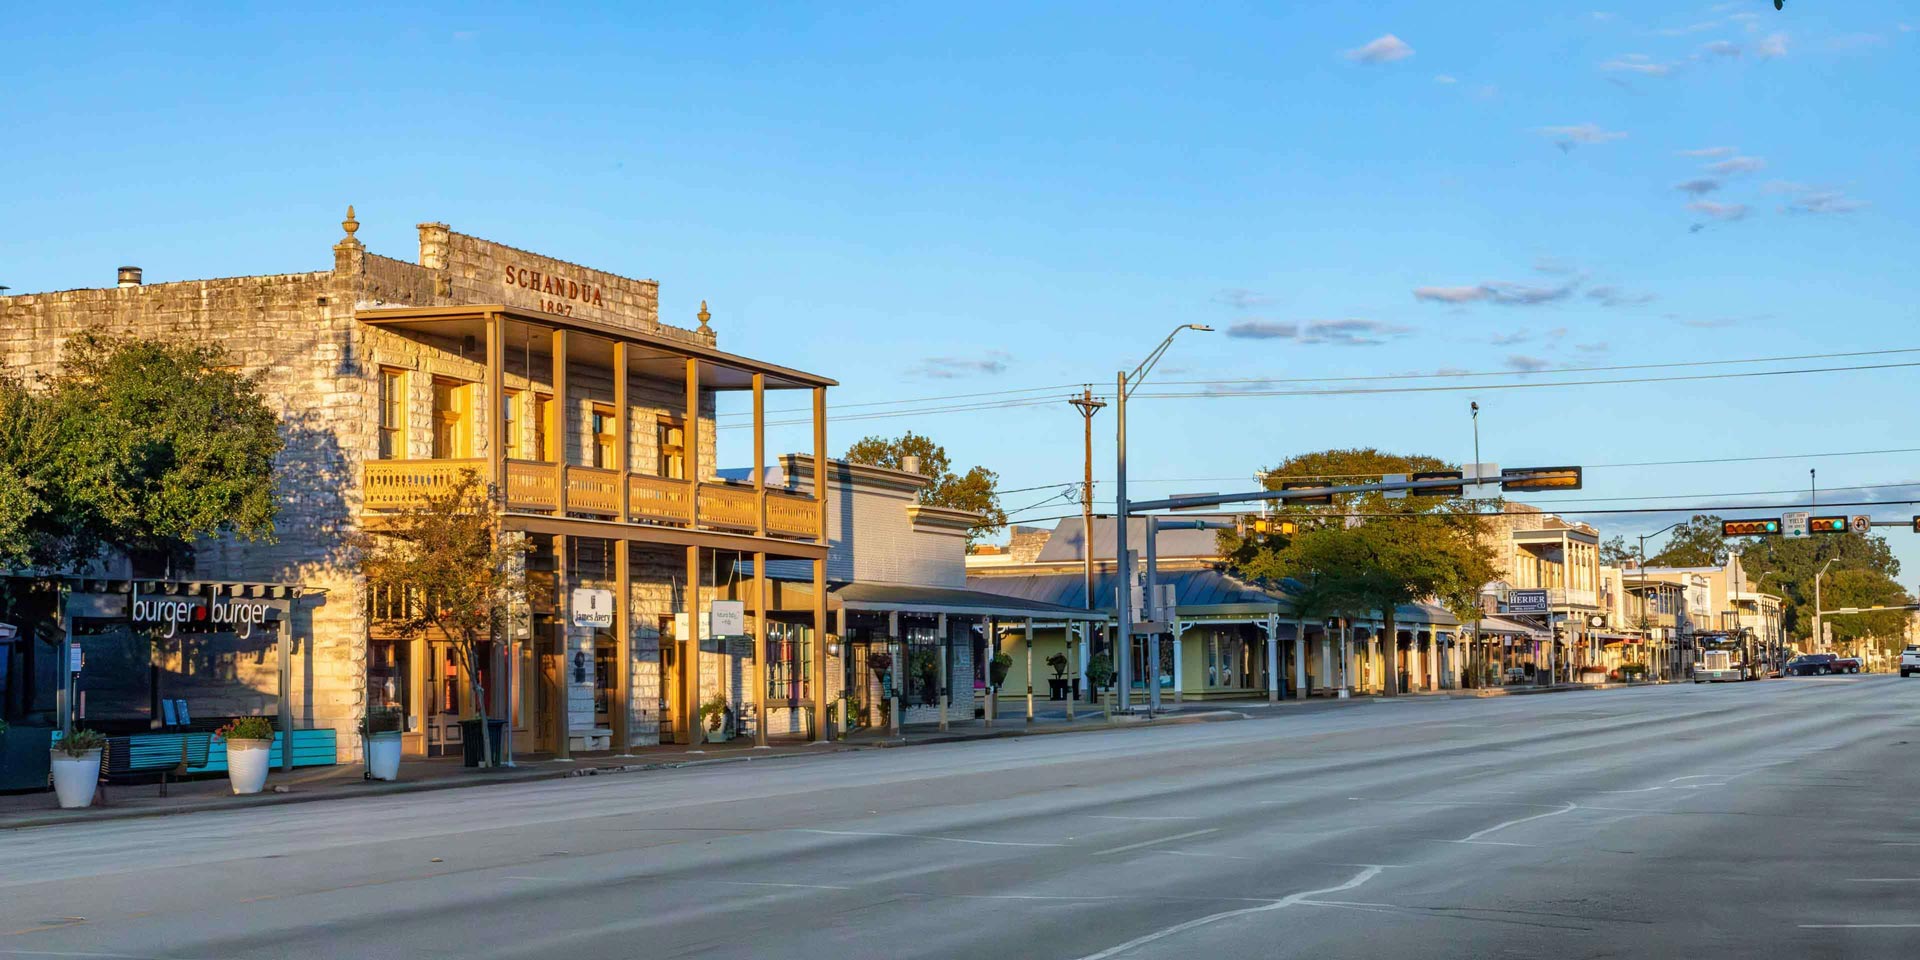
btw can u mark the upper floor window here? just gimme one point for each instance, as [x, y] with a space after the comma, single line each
[393, 414]
[670, 439]
[605, 443]
[510, 422]
[543, 431]
[452, 427]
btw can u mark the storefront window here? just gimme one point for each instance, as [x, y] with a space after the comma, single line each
[387, 661]
[670, 439]
[924, 649]
[789, 652]
[393, 414]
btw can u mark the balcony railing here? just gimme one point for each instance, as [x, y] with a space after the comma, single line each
[533, 486]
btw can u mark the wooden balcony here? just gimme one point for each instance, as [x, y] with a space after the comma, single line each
[593, 493]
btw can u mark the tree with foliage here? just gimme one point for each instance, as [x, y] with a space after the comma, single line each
[975, 490]
[450, 559]
[1862, 575]
[1615, 552]
[141, 446]
[1370, 552]
[1695, 543]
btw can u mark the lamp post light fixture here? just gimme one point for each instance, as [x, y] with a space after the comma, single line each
[1643, 574]
[1127, 383]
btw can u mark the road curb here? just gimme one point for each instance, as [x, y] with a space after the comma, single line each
[1208, 716]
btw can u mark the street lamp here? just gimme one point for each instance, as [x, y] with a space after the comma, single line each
[1818, 640]
[1643, 571]
[1124, 643]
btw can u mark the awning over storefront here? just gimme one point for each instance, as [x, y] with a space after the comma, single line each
[1503, 626]
[951, 600]
[1611, 638]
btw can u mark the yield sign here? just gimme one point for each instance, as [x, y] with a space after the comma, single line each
[1794, 525]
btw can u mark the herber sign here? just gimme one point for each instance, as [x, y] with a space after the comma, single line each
[1527, 601]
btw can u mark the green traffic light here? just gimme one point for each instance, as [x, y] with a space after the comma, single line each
[1771, 526]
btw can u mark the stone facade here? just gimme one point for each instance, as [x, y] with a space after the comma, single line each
[318, 368]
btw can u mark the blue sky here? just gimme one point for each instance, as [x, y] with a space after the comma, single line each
[927, 200]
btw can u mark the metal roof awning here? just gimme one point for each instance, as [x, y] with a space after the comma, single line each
[906, 598]
[1502, 625]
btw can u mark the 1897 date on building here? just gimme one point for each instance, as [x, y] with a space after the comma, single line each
[559, 290]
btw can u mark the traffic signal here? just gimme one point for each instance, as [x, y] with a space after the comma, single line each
[1319, 501]
[1262, 526]
[1916, 524]
[1539, 478]
[1763, 527]
[1459, 491]
[1827, 525]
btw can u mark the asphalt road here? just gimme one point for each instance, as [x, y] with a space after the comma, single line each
[1770, 819]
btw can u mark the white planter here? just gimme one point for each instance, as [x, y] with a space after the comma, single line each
[383, 755]
[75, 778]
[247, 764]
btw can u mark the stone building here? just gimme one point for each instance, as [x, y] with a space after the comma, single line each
[557, 383]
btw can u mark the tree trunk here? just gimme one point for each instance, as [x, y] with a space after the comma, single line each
[1389, 653]
[487, 758]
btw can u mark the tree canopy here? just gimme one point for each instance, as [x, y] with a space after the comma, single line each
[136, 445]
[975, 490]
[1369, 552]
[1695, 543]
[1862, 575]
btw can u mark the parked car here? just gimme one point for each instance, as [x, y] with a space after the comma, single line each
[1910, 660]
[1811, 664]
[1847, 665]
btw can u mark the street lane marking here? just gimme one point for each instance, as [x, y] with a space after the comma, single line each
[1486, 843]
[1149, 843]
[1641, 790]
[1211, 856]
[1860, 926]
[1883, 879]
[1496, 828]
[1281, 904]
[1097, 817]
[794, 886]
[923, 836]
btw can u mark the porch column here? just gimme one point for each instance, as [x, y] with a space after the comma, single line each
[1326, 657]
[992, 710]
[1300, 656]
[1086, 653]
[693, 444]
[898, 651]
[945, 654]
[497, 401]
[759, 673]
[562, 706]
[620, 697]
[760, 454]
[283, 647]
[1029, 626]
[622, 426]
[1179, 663]
[560, 406]
[1073, 673]
[690, 644]
[821, 731]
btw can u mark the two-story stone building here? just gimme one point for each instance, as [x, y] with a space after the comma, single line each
[592, 421]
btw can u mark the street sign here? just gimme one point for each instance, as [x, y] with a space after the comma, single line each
[592, 607]
[1759, 527]
[1527, 601]
[1826, 632]
[1394, 478]
[1828, 524]
[1518, 479]
[1490, 472]
[75, 658]
[1795, 524]
[728, 618]
[1307, 485]
[1860, 523]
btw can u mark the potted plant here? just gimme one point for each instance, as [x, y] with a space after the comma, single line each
[997, 669]
[713, 716]
[1057, 686]
[76, 767]
[881, 663]
[249, 749]
[381, 728]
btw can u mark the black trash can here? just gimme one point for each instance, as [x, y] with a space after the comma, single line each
[470, 740]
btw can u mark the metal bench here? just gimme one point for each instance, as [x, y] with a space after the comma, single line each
[168, 754]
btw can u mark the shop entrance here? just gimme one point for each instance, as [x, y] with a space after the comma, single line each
[672, 730]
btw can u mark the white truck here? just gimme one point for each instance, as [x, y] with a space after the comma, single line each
[1910, 660]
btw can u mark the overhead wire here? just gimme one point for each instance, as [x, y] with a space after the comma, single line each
[1557, 370]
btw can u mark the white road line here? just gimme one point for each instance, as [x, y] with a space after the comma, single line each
[923, 836]
[1211, 856]
[1141, 818]
[1496, 828]
[1486, 843]
[1883, 879]
[1693, 776]
[1149, 843]
[1641, 790]
[1281, 904]
[1860, 926]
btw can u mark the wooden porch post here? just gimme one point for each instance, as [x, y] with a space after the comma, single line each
[1029, 626]
[622, 428]
[693, 445]
[621, 683]
[1300, 656]
[945, 654]
[690, 661]
[821, 731]
[562, 709]
[497, 404]
[560, 407]
[759, 672]
[760, 454]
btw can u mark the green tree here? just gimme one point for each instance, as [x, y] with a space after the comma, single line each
[149, 447]
[459, 572]
[1615, 552]
[23, 507]
[975, 490]
[1863, 573]
[1695, 543]
[1370, 552]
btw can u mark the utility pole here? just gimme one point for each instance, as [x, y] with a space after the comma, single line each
[1088, 406]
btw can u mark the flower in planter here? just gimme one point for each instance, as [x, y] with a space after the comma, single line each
[713, 712]
[880, 661]
[247, 728]
[1059, 664]
[80, 742]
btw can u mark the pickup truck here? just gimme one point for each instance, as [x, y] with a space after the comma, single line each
[1910, 659]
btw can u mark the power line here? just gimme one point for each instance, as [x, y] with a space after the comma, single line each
[884, 403]
[1525, 386]
[888, 415]
[1528, 373]
[1696, 508]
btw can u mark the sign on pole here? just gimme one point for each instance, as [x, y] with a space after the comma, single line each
[1860, 523]
[1490, 472]
[1794, 525]
[1527, 601]
[592, 607]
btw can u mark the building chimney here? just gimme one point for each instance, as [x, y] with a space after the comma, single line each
[129, 276]
[910, 463]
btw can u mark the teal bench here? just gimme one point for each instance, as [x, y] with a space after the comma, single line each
[311, 748]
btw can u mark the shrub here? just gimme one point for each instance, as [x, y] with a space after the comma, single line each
[78, 743]
[714, 712]
[383, 720]
[247, 728]
[880, 661]
[1100, 671]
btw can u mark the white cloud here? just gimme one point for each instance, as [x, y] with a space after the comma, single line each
[1263, 330]
[994, 362]
[1600, 347]
[1737, 165]
[1638, 63]
[1385, 48]
[1509, 339]
[1774, 45]
[1446, 78]
[1719, 211]
[1824, 201]
[1501, 292]
[1611, 296]
[1697, 187]
[1588, 133]
[1710, 152]
[1350, 332]
[1520, 361]
[1722, 48]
